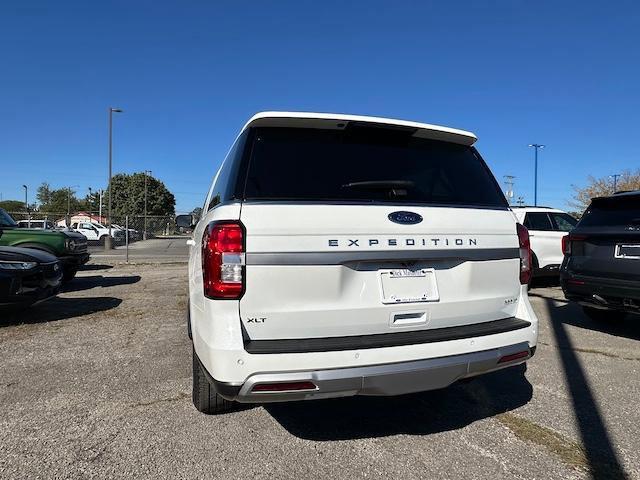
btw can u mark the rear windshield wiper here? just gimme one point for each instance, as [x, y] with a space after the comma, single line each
[380, 184]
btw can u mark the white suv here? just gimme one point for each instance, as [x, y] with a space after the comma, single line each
[343, 255]
[546, 228]
[97, 232]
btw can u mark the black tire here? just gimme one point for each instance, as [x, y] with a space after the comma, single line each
[600, 315]
[68, 274]
[204, 396]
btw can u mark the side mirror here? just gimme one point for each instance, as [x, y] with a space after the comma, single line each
[186, 221]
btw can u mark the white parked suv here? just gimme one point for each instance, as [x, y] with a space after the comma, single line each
[343, 255]
[546, 228]
[97, 232]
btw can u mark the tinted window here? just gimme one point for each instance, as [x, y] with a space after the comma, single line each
[224, 188]
[563, 222]
[364, 164]
[538, 221]
[612, 211]
[6, 220]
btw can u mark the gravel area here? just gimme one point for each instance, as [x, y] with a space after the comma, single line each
[97, 384]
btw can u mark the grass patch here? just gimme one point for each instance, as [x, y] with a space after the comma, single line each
[570, 452]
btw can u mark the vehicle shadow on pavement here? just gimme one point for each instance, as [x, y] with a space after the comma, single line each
[599, 451]
[59, 309]
[571, 314]
[85, 283]
[416, 414]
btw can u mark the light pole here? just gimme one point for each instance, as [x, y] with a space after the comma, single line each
[26, 205]
[615, 177]
[146, 176]
[107, 242]
[537, 147]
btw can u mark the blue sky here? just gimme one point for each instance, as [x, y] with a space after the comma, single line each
[188, 74]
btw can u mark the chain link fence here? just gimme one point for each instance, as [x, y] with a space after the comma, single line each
[139, 227]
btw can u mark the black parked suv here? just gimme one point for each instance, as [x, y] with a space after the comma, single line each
[27, 276]
[601, 267]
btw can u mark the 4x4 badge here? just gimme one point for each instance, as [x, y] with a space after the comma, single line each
[406, 218]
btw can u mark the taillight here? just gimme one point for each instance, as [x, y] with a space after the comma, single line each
[514, 356]
[525, 255]
[223, 260]
[566, 245]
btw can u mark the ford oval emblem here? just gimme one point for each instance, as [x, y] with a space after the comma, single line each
[405, 218]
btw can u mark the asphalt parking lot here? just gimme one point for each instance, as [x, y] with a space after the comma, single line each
[97, 383]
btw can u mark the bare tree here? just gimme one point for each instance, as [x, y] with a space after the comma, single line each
[600, 187]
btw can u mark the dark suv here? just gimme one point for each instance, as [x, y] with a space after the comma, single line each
[601, 267]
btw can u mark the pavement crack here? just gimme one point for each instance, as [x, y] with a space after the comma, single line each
[590, 350]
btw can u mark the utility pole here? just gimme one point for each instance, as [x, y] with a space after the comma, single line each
[615, 177]
[520, 201]
[107, 243]
[146, 176]
[508, 180]
[26, 205]
[537, 147]
[90, 201]
[69, 204]
[101, 194]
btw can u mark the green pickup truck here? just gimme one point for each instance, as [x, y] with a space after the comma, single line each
[70, 247]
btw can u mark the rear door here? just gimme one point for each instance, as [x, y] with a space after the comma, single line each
[546, 230]
[606, 242]
[369, 231]
[545, 242]
[89, 231]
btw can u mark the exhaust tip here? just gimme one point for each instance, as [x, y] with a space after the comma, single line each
[599, 299]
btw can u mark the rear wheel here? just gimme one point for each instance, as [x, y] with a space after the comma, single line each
[600, 315]
[205, 398]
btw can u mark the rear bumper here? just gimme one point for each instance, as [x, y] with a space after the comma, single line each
[383, 380]
[602, 292]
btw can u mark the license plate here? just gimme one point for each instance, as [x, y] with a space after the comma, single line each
[628, 251]
[407, 285]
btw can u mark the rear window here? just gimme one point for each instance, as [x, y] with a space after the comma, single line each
[365, 164]
[563, 221]
[612, 211]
